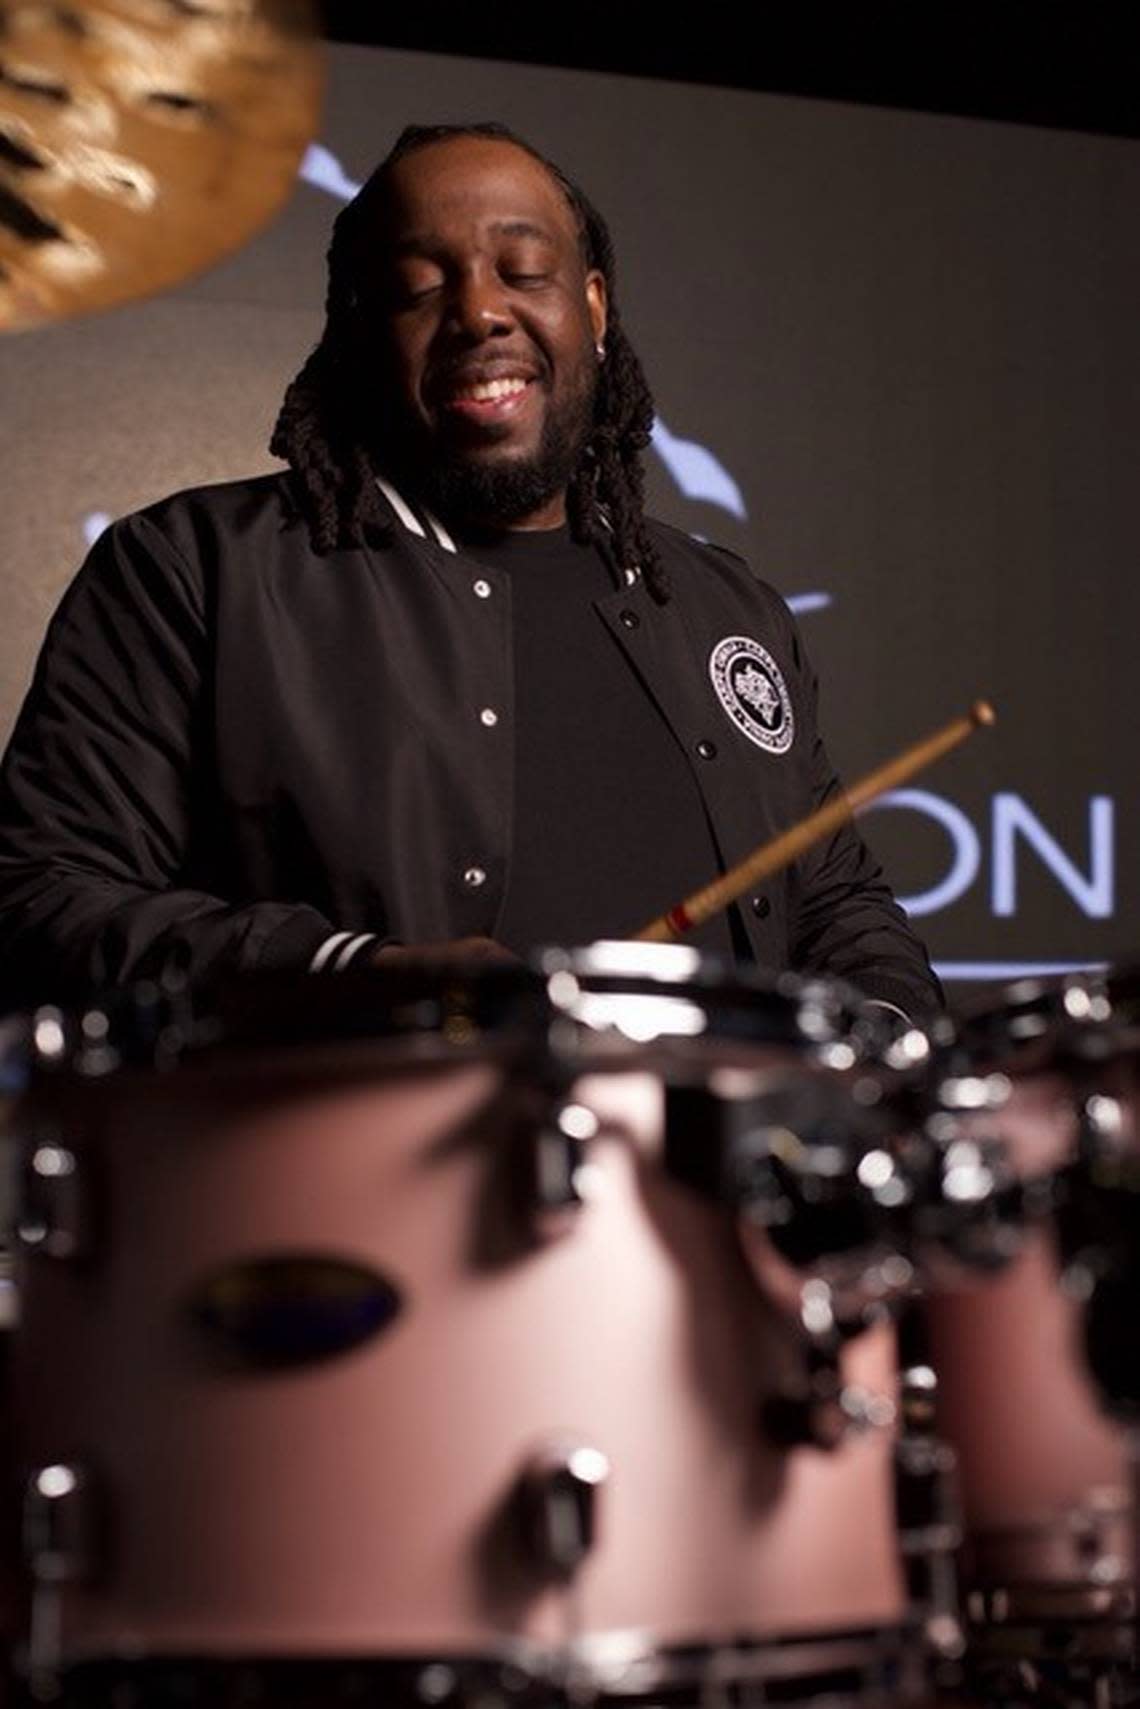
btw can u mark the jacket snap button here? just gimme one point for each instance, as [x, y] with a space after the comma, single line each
[481, 589]
[489, 717]
[628, 619]
[474, 878]
[706, 749]
[761, 907]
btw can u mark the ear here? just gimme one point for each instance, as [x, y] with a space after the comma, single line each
[596, 303]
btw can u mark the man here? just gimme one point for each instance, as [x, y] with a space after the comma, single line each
[441, 687]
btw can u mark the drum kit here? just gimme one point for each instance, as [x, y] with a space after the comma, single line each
[610, 1330]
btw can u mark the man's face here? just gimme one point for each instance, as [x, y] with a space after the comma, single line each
[488, 321]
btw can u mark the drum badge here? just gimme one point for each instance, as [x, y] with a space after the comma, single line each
[750, 686]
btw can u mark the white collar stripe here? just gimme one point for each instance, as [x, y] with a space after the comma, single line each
[412, 522]
[441, 533]
[399, 505]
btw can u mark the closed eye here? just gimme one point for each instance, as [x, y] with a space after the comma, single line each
[405, 295]
[413, 278]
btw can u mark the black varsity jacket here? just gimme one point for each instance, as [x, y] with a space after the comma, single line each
[233, 748]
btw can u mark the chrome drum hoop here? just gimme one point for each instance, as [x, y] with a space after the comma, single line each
[862, 1669]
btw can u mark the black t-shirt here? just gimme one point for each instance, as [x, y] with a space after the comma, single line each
[609, 827]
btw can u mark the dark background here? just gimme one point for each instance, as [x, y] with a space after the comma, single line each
[909, 337]
[1034, 62]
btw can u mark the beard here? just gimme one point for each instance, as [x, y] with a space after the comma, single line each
[467, 485]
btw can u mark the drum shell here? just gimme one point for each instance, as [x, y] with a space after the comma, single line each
[10, 1599]
[1043, 1473]
[360, 1505]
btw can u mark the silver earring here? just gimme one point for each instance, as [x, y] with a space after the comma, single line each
[601, 351]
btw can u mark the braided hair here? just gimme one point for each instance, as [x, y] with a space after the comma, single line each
[324, 429]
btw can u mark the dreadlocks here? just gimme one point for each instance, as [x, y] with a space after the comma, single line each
[324, 428]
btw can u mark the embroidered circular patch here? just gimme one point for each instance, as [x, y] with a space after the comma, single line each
[750, 686]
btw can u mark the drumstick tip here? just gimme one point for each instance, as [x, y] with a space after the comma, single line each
[981, 712]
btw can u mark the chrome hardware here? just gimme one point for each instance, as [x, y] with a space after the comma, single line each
[824, 1411]
[53, 1211]
[877, 1667]
[1102, 1124]
[59, 1548]
[907, 1050]
[865, 1410]
[9, 1296]
[963, 1093]
[489, 1682]
[561, 1489]
[436, 1683]
[858, 1182]
[559, 1150]
[974, 1207]
[927, 1513]
[1097, 1220]
[787, 1154]
[58, 1524]
[969, 1203]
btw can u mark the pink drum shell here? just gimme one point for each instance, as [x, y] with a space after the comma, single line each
[346, 1507]
[1035, 1451]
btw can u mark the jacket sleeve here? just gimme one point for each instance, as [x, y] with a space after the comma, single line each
[844, 919]
[99, 791]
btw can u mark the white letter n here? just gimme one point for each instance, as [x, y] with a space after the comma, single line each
[1094, 894]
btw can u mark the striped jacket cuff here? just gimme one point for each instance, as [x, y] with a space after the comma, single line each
[337, 952]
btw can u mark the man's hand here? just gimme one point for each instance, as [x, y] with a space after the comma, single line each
[442, 954]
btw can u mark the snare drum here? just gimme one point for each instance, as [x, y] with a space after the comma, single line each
[1043, 1473]
[367, 1346]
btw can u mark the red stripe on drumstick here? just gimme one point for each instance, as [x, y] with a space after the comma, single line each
[679, 920]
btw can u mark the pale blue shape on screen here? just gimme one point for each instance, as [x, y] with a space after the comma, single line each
[94, 524]
[1014, 969]
[1094, 895]
[697, 472]
[323, 170]
[801, 602]
[967, 847]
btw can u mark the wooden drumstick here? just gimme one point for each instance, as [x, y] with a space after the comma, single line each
[789, 845]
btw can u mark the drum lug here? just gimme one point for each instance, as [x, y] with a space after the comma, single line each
[928, 1515]
[561, 1489]
[559, 1155]
[53, 1205]
[826, 1411]
[971, 1205]
[59, 1548]
[792, 1156]
[58, 1524]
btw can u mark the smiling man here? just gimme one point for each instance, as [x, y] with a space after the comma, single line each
[441, 687]
[490, 332]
